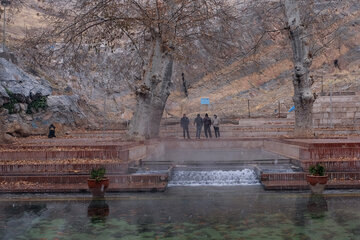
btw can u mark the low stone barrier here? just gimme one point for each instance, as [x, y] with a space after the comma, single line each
[64, 154]
[78, 183]
[326, 151]
[46, 169]
[297, 181]
[336, 165]
[302, 176]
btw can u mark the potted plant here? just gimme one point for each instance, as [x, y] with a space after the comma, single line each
[97, 182]
[317, 178]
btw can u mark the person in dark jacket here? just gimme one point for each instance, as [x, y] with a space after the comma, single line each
[198, 122]
[51, 131]
[207, 124]
[184, 122]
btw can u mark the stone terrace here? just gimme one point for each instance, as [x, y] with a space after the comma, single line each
[341, 158]
[63, 165]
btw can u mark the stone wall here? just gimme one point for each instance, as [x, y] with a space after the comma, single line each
[335, 111]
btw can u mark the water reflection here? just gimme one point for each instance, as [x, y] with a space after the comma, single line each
[185, 213]
[317, 206]
[19, 209]
[98, 210]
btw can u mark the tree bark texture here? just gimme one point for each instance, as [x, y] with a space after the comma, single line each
[303, 97]
[152, 95]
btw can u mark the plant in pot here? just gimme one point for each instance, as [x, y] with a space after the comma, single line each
[317, 178]
[97, 182]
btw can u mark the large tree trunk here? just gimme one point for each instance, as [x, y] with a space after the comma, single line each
[303, 96]
[153, 93]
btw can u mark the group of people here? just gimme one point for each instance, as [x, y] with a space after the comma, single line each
[199, 122]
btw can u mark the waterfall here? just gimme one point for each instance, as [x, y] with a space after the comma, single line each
[214, 178]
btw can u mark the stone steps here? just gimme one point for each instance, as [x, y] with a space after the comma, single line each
[234, 134]
[99, 134]
[19, 155]
[217, 163]
[64, 166]
[208, 144]
[55, 151]
[237, 132]
[59, 147]
[249, 123]
[235, 128]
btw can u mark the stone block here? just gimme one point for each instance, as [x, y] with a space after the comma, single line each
[347, 121]
[138, 152]
[316, 122]
[317, 115]
[350, 114]
[350, 109]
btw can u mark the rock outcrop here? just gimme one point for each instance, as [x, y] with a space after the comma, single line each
[24, 87]
[27, 106]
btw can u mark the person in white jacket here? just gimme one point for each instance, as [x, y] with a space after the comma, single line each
[216, 124]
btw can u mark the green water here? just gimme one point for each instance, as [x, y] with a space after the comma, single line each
[241, 212]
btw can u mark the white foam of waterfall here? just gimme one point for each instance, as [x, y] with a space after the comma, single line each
[214, 178]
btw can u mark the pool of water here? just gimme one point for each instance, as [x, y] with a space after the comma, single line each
[232, 212]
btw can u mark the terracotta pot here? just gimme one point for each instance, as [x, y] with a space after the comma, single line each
[98, 188]
[313, 180]
[317, 183]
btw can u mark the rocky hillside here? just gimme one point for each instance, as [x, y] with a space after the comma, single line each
[266, 78]
[28, 105]
[263, 80]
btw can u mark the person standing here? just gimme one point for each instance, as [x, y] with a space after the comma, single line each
[216, 124]
[207, 124]
[198, 122]
[184, 122]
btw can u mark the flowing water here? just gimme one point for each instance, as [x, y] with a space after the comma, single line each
[206, 212]
[214, 178]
